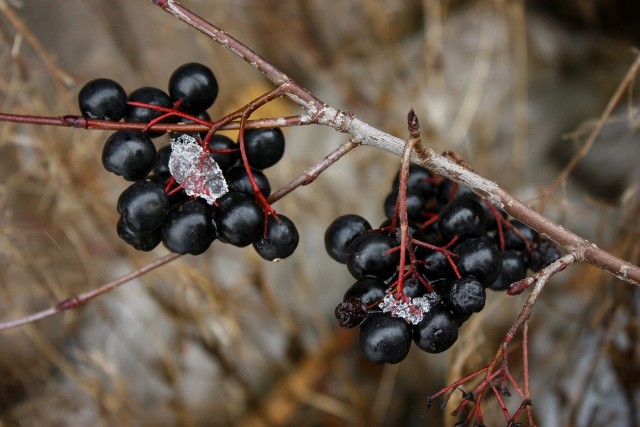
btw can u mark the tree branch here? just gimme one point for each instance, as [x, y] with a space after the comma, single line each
[321, 113]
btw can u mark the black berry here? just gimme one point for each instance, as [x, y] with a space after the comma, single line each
[151, 96]
[514, 239]
[194, 84]
[143, 205]
[140, 240]
[479, 257]
[188, 228]
[264, 147]
[350, 312]
[102, 99]
[544, 253]
[420, 181]
[224, 160]
[465, 296]
[341, 232]
[130, 154]
[238, 181]
[238, 219]
[463, 216]
[513, 269]
[368, 289]
[281, 239]
[436, 332]
[368, 255]
[385, 339]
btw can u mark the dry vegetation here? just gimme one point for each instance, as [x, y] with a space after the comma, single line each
[228, 339]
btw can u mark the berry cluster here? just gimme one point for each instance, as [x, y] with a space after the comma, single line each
[199, 188]
[455, 246]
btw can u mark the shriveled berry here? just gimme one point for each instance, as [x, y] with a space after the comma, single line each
[238, 219]
[264, 147]
[102, 99]
[463, 216]
[479, 257]
[465, 296]
[368, 255]
[281, 239]
[194, 84]
[238, 180]
[368, 289]
[385, 339]
[140, 240]
[129, 153]
[143, 205]
[350, 312]
[513, 269]
[436, 332]
[188, 229]
[341, 232]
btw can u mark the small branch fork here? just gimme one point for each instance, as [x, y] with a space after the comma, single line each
[496, 377]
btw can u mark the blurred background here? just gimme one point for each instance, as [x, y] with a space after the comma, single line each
[226, 338]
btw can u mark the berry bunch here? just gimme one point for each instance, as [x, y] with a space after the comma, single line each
[421, 287]
[197, 189]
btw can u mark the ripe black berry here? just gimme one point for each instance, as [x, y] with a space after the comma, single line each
[436, 332]
[238, 219]
[143, 205]
[465, 296]
[224, 160]
[479, 257]
[161, 166]
[238, 181]
[369, 290]
[416, 205]
[513, 241]
[130, 154]
[281, 239]
[194, 84]
[341, 233]
[385, 339]
[368, 255]
[420, 181]
[264, 147]
[513, 269]
[140, 240]
[463, 216]
[151, 96]
[544, 253]
[350, 312]
[188, 228]
[102, 99]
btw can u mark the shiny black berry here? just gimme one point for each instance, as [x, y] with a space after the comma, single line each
[479, 257]
[436, 332]
[224, 143]
[151, 96]
[385, 339]
[420, 181]
[264, 147]
[143, 205]
[238, 219]
[369, 290]
[513, 269]
[238, 180]
[194, 84]
[465, 296]
[102, 99]
[140, 240]
[416, 206]
[368, 255]
[281, 239]
[341, 232]
[161, 166]
[544, 253]
[463, 216]
[514, 240]
[129, 153]
[188, 228]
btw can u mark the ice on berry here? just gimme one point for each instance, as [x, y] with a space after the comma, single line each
[411, 309]
[195, 170]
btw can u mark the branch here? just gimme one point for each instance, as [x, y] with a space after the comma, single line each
[321, 113]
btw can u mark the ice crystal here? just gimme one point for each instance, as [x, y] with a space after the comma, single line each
[195, 170]
[411, 309]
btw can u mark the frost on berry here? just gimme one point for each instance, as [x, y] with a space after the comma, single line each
[195, 170]
[411, 309]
